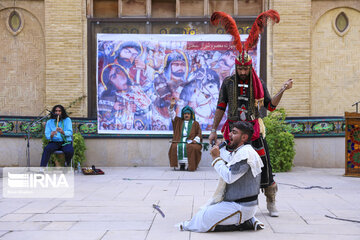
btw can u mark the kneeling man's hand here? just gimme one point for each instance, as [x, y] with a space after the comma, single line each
[215, 152]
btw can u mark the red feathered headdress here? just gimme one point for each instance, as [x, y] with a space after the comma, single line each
[244, 58]
[258, 27]
[230, 27]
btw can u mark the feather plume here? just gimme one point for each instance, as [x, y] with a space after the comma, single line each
[258, 27]
[230, 26]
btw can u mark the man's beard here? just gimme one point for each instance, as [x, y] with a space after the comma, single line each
[234, 145]
[243, 77]
[125, 62]
[178, 74]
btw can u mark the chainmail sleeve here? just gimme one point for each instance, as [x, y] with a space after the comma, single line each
[223, 97]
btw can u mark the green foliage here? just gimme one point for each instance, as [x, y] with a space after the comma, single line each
[75, 102]
[280, 141]
[79, 151]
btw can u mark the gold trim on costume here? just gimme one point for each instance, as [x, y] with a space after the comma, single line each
[240, 213]
[262, 127]
[216, 160]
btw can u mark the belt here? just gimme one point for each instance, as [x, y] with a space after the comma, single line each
[247, 199]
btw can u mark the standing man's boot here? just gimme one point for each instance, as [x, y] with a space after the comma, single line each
[270, 193]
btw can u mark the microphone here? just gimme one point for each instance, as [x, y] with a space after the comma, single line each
[223, 144]
[49, 113]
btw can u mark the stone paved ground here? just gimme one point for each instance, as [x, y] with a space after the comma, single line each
[118, 205]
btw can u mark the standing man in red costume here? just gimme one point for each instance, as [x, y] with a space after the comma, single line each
[244, 93]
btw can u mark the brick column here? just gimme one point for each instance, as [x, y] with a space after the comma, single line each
[65, 44]
[289, 54]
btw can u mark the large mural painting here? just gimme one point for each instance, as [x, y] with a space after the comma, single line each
[137, 75]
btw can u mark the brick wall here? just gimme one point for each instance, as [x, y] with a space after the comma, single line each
[22, 60]
[289, 54]
[335, 80]
[46, 63]
[66, 80]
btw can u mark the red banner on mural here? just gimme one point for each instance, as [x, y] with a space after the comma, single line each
[209, 46]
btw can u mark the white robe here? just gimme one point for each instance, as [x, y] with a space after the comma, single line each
[218, 212]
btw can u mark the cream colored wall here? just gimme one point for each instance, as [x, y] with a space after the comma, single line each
[46, 63]
[22, 60]
[66, 62]
[320, 7]
[289, 55]
[335, 65]
[320, 152]
[13, 152]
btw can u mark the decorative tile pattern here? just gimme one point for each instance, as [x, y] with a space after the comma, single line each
[301, 127]
[317, 127]
[353, 149]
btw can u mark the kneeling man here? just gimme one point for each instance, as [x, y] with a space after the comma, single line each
[187, 138]
[235, 201]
